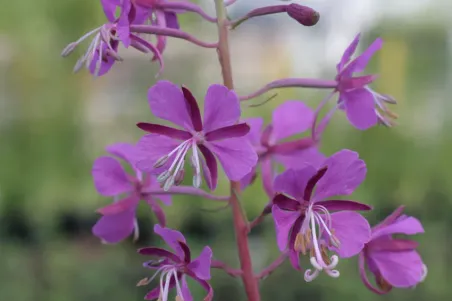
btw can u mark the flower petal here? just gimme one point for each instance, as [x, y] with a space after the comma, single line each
[172, 238]
[158, 252]
[344, 205]
[362, 260]
[301, 158]
[400, 269]
[237, 130]
[209, 167]
[406, 225]
[152, 147]
[204, 284]
[293, 182]
[114, 228]
[164, 95]
[294, 256]
[352, 230]
[109, 7]
[109, 177]
[360, 63]
[193, 109]
[248, 179]
[255, 133]
[268, 175]
[120, 206]
[284, 221]
[101, 65]
[286, 203]
[171, 20]
[360, 108]
[221, 108]
[345, 173]
[348, 53]
[165, 130]
[290, 118]
[201, 265]
[236, 155]
[158, 211]
[127, 152]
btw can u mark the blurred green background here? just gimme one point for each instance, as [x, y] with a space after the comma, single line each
[53, 124]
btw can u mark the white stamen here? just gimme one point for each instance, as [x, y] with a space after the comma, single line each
[163, 176]
[169, 183]
[315, 264]
[334, 261]
[333, 273]
[178, 287]
[167, 284]
[136, 230]
[82, 38]
[309, 275]
[99, 60]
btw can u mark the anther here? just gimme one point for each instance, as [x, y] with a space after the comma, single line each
[179, 177]
[161, 161]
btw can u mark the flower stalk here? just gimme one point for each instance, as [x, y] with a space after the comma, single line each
[240, 224]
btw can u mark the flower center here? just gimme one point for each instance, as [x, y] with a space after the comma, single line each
[174, 175]
[315, 229]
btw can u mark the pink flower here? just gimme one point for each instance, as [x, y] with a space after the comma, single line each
[110, 179]
[393, 261]
[218, 136]
[288, 119]
[355, 96]
[173, 267]
[302, 215]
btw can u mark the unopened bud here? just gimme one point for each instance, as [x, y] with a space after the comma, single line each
[69, 49]
[303, 14]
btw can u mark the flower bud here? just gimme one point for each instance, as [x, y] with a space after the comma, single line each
[303, 14]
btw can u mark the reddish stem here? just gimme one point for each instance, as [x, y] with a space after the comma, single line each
[240, 223]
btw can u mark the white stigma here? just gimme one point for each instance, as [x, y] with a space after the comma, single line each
[317, 225]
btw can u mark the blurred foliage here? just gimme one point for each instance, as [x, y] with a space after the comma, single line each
[53, 124]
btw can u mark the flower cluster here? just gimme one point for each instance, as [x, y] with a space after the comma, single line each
[308, 201]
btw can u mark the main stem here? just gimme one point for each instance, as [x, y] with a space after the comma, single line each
[240, 223]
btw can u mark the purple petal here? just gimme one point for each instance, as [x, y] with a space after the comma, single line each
[345, 173]
[186, 250]
[312, 182]
[165, 130]
[201, 265]
[344, 205]
[160, 21]
[185, 290]
[209, 167]
[193, 109]
[301, 158]
[127, 152]
[284, 221]
[238, 130]
[164, 95]
[294, 256]
[248, 179]
[352, 230]
[109, 177]
[155, 293]
[400, 269]
[293, 182]
[286, 203]
[171, 20]
[360, 63]
[287, 148]
[268, 176]
[204, 284]
[120, 206]
[348, 53]
[158, 211]
[290, 118]
[99, 68]
[255, 130]
[347, 84]
[360, 108]
[123, 24]
[391, 245]
[109, 7]
[114, 228]
[236, 155]
[172, 238]
[407, 226]
[362, 273]
[391, 218]
[153, 147]
[158, 252]
[221, 108]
